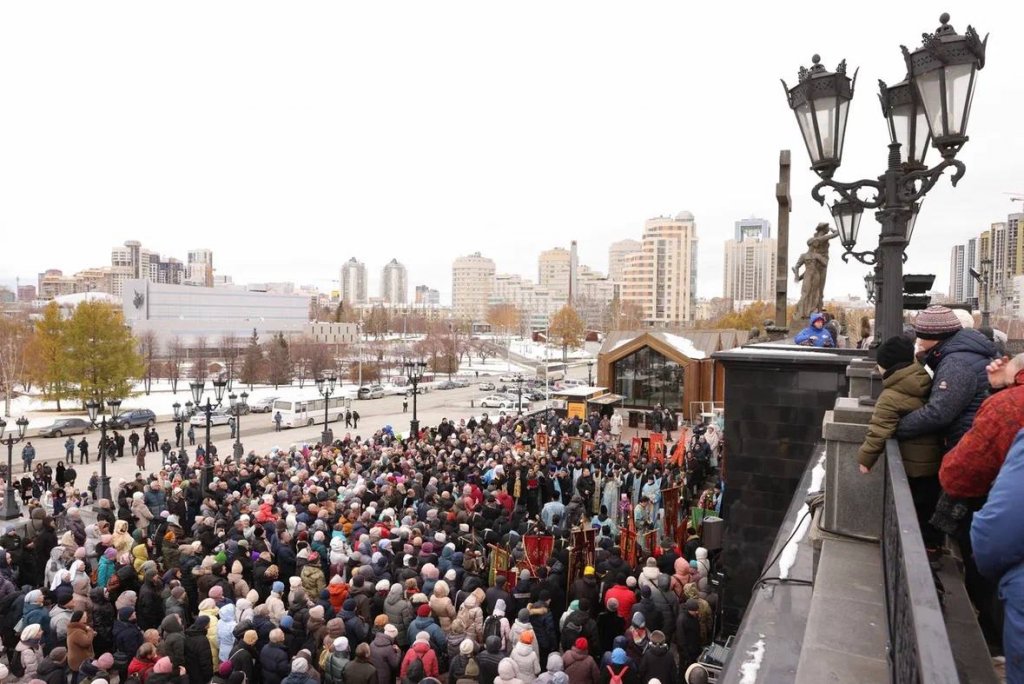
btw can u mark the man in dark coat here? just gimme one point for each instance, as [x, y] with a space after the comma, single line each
[687, 636]
[489, 658]
[657, 662]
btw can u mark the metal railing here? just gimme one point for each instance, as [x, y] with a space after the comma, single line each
[919, 649]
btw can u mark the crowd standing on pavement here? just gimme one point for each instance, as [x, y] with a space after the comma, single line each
[368, 561]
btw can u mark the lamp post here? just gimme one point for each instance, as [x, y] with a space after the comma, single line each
[931, 106]
[869, 286]
[11, 509]
[238, 405]
[518, 379]
[93, 408]
[325, 386]
[206, 476]
[413, 372]
[983, 282]
[590, 373]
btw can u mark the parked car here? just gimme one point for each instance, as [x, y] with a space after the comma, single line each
[371, 392]
[500, 402]
[66, 426]
[133, 418]
[508, 378]
[486, 386]
[460, 383]
[219, 417]
[395, 390]
[265, 405]
[446, 385]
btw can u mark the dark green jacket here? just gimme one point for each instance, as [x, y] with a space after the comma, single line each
[903, 391]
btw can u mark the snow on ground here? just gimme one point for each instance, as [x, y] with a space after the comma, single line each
[539, 351]
[160, 399]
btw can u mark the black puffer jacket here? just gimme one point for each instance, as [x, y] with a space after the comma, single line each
[958, 388]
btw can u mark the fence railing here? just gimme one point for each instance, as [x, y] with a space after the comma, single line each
[919, 649]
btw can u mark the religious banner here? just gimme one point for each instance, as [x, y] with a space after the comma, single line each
[588, 446]
[581, 553]
[635, 448]
[627, 545]
[576, 446]
[656, 447]
[499, 563]
[670, 499]
[650, 542]
[679, 453]
[538, 549]
[542, 441]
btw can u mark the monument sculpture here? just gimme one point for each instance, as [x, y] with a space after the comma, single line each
[815, 267]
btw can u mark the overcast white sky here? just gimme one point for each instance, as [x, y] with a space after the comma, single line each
[288, 137]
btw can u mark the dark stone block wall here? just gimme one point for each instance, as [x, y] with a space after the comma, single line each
[775, 401]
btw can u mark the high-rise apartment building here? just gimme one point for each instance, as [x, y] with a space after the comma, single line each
[393, 283]
[971, 260]
[199, 269]
[427, 296]
[472, 283]
[998, 232]
[535, 302]
[353, 282]
[957, 271]
[617, 253]
[553, 271]
[661, 279]
[1014, 246]
[26, 293]
[750, 262]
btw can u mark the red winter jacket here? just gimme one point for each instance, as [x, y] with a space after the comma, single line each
[970, 468]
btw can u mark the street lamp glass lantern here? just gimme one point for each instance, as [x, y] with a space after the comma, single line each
[869, 285]
[93, 408]
[177, 410]
[232, 399]
[332, 381]
[115, 407]
[22, 424]
[3, 426]
[218, 389]
[905, 116]
[944, 71]
[847, 216]
[319, 382]
[821, 102]
[244, 398]
[197, 391]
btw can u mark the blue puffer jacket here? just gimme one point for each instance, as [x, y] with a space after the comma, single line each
[958, 388]
[815, 337]
[999, 545]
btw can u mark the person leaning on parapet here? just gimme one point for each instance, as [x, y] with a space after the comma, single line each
[815, 334]
[958, 358]
[905, 388]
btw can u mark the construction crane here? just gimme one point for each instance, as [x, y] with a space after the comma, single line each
[1015, 196]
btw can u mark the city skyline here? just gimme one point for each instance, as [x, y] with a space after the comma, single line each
[249, 174]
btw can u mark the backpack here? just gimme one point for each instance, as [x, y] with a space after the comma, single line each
[416, 672]
[492, 626]
[617, 678]
[16, 667]
[570, 632]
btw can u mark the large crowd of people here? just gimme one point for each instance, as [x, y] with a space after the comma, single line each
[369, 561]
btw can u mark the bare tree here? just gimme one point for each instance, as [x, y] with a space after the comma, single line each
[147, 351]
[200, 359]
[175, 357]
[14, 339]
[231, 350]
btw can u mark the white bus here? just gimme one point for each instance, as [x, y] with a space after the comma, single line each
[307, 407]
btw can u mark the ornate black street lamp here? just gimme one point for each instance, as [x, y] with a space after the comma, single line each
[206, 476]
[518, 380]
[932, 105]
[93, 408]
[869, 286]
[413, 373]
[238, 404]
[590, 373]
[325, 386]
[11, 510]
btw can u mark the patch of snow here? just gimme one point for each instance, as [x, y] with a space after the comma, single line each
[684, 346]
[788, 557]
[752, 665]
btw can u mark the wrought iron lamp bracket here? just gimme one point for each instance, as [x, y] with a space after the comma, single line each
[848, 191]
[867, 258]
[909, 190]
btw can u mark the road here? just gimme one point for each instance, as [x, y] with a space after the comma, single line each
[258, 428]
